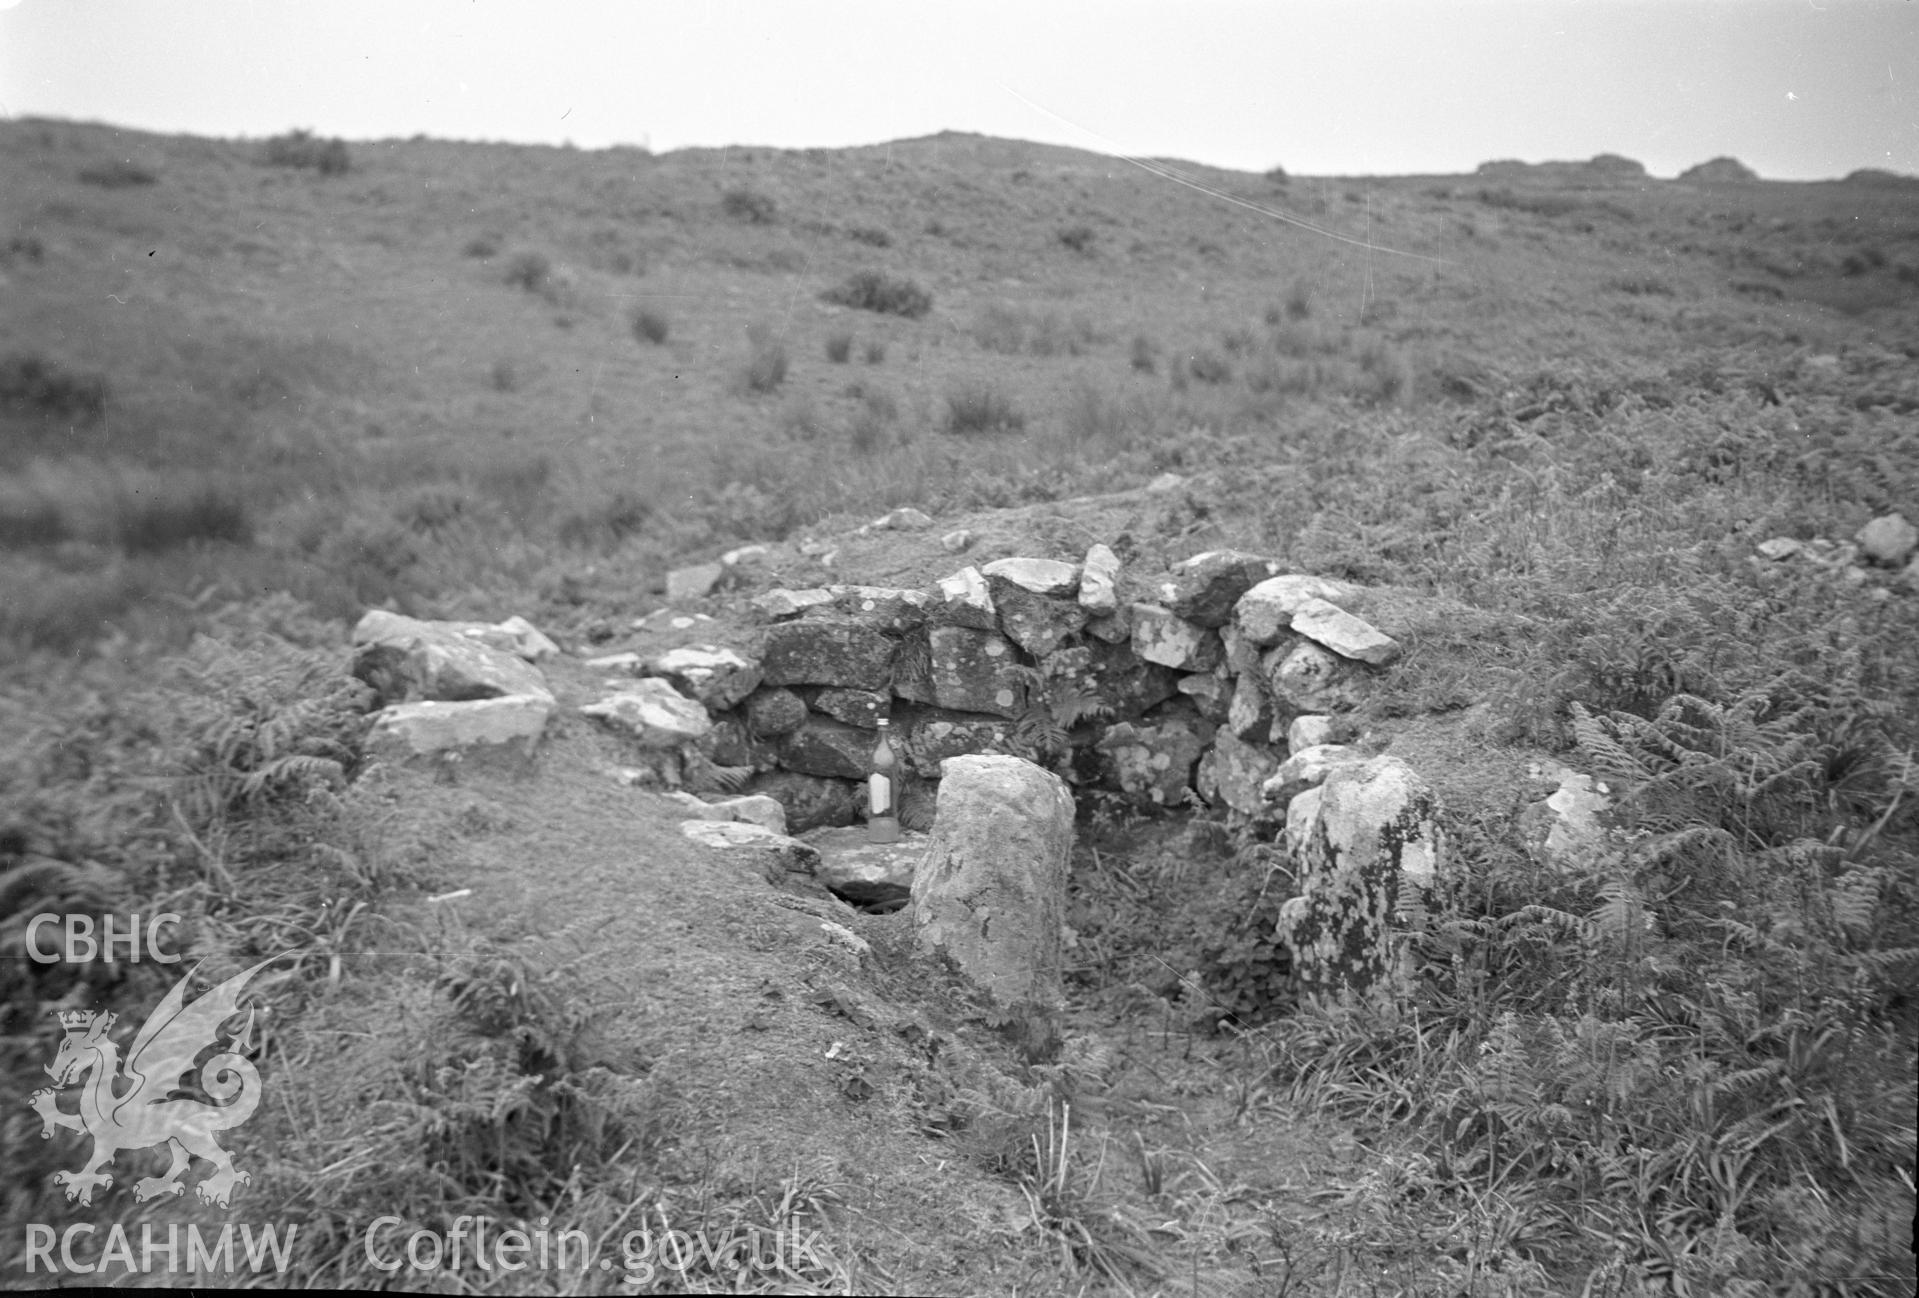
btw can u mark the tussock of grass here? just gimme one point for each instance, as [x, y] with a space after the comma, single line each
[981, 408]
[871, 290]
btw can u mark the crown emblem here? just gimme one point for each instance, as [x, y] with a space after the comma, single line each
[77, 1020]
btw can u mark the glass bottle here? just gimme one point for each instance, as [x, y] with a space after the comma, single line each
[883, 791]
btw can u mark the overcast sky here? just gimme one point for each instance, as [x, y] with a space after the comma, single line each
[1797, 89]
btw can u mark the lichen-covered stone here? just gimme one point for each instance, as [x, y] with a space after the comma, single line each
[713, 674]
[1264, 614]
[885, 607]
[731, 742]
[775, 855]
[510, 725]
[1152, 762]
[1040, 576]
[1161, 636]
[516, 636]
[1309, 729]
[964, 599]
[695, 581]
[1039, 624]
[773, 711]
[1098, 578]
[753, 809]
[990, 894]
[1307, 768]
[406, 659]
[929, 736]
[1211, 693]
[828, 650]
[1126, 684]
[1205, 587]
[1371, 840]
[823, 746]
[1307, 677]
[780, 604]
[1348, 636]
[878, 875]
[1232, 772]
[1249, 713]
[862, 708]
[652, 712]
[810, 800]
[968, 671]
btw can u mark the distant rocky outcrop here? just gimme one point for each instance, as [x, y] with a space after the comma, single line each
[1719, 171]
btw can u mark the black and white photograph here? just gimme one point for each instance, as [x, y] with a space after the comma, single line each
[1149, 649]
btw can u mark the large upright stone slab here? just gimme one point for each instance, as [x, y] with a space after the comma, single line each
[1369, 839]
[1098, 581]
[826, 651]
[990, 894]
[406, 659]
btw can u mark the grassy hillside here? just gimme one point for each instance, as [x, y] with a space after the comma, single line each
[248, 389]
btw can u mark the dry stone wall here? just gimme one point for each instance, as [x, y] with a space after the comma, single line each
[1185, 695]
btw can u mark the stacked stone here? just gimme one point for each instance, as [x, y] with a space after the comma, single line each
[1188, 694]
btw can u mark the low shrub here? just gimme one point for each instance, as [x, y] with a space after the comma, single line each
[871, 290]
[1079, 238]
[839, 347]
[150, 520]
[765, 367]
[36, 386]
[1144, 355]
[529, 270]
[749, 206]
[121, 173]
[650, 326]
[303, 149]
[978, 407]
[1208, 367]
[875, 352]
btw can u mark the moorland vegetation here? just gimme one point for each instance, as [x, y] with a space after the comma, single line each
[249, 390]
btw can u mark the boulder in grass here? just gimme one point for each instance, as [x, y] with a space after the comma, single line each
[516, 636]
[508, 726]
[1888, 540]
[1368, 842]
[823, 746]
[406, 659]
[693, 582]
[653, 713]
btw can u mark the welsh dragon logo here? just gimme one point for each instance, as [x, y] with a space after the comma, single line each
[146, 1112]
